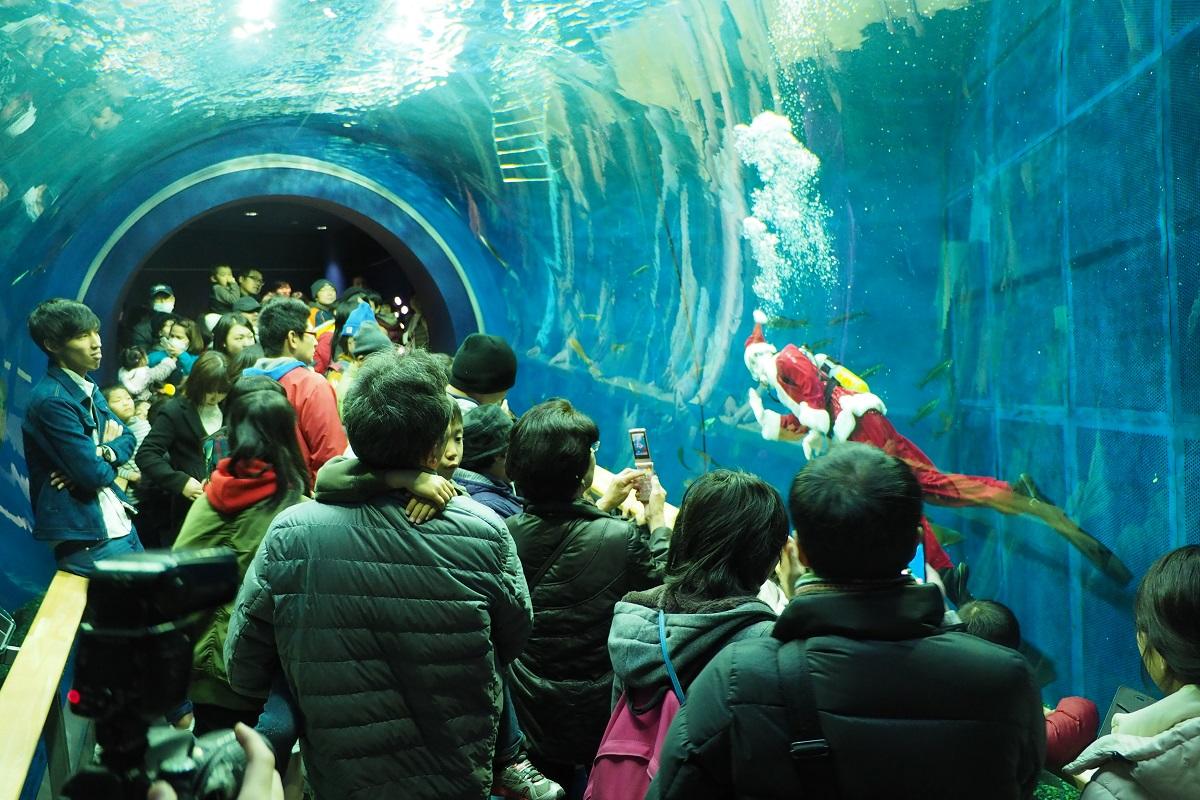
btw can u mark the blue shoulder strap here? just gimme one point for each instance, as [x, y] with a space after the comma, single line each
[662, 642]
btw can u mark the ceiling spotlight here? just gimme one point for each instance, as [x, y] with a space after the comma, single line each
[322, 227]
[403, 309]
[399, 302]
[251, 213]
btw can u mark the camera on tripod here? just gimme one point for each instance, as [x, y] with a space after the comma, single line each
[132, 666]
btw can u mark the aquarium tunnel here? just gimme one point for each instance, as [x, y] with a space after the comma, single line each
[988, 210]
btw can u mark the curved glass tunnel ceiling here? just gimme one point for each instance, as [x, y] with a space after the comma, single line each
[988, 210]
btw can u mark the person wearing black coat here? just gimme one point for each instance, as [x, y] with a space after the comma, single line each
[172, 457]
[861, 692]
[578, 560]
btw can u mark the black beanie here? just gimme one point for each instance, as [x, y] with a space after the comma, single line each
[484, 365]
[369, 339]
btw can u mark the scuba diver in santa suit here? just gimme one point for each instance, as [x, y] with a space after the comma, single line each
[825, 401]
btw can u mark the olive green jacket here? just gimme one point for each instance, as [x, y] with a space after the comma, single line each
[241, 532]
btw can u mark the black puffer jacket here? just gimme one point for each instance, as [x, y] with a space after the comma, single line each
[390, 636]
[909, 710]
[562, 682]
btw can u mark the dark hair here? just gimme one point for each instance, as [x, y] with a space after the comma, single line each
[277, 285]
[397, 412]
[549, 451]
[224, 325]
[209, 374]
[131, 355]
[1166, 612]
[160, 320]
[856, 511]
[728, 535]
[195, 339]
[373, 297]
[114, 387]
[277, 319]
[243, 361]
[341, 313]
[445, 363]
[262, 427]
[56, 321]
[993, 621]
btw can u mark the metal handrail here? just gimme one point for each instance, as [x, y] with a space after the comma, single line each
[30, 693]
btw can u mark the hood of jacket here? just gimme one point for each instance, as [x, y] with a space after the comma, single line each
[229, 493]
[693, 639]
[274, 368]
[475, 482]
[1157, 746]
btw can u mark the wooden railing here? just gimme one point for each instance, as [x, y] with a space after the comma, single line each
[30, 693]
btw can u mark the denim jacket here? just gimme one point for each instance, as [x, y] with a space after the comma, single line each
[58, 429]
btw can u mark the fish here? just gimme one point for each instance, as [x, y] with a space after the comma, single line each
[925, 410]
[939, 371]
[946, 536]
[947, 424]
[3, 190]
[913, 18]
[849, 317]
[712, 462]
[620, 347]
[787, 322]
[682, 461]
[639, 270]
[708, 423]
[817, 345]
[592, 317]
[34, 201]
[870, 371]
[887, 17]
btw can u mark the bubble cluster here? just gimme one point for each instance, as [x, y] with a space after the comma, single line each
[787, 232]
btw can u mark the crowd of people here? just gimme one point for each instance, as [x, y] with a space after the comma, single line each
[435, 603]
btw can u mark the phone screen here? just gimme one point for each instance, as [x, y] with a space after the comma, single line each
[917, 565]
[641, 446]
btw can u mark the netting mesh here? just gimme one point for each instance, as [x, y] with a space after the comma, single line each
[1080, 150]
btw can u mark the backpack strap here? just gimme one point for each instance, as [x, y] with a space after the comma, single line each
[549, 562]
[811, 754]
[662, 643]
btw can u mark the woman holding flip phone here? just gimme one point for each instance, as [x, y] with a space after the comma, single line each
[579, 560]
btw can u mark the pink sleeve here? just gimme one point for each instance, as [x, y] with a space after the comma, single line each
[1069, 729]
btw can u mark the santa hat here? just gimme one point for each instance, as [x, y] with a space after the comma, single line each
[757, 343]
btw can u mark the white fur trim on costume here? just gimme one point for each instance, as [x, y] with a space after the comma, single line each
[772, 423]
[816, 419]
[844, 425]
[759, 316]
[754, 349]
[859, 404]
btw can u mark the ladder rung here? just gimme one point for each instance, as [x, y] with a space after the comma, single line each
[514, 152]
[499, 139]
[524, 180]
[518, 122]
[524, 166]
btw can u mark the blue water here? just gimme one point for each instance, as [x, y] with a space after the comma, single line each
[1008, 186]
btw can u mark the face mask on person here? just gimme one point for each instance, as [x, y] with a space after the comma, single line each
[167, 343]
[165, 306]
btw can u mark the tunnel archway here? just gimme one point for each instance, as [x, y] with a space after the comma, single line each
[449, 299]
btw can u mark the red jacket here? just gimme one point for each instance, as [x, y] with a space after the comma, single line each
[318, 427]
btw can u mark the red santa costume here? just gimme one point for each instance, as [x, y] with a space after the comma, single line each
[814, 400]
